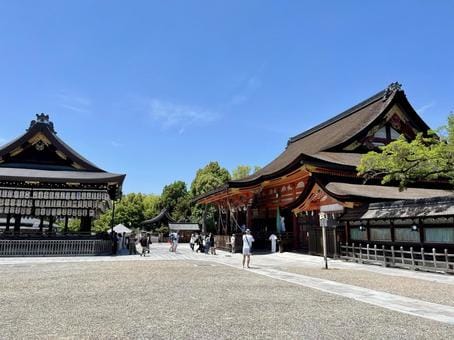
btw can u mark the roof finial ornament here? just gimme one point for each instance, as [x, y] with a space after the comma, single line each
[42, 118]
[393, 87]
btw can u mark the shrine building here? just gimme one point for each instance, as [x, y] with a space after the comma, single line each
[43, 178]
[314, 180]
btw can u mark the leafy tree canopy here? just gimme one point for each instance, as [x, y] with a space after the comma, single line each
[209, 177]
[130, 211]
[151, 206]
[427, 157]
[242, 171]
[175, 197]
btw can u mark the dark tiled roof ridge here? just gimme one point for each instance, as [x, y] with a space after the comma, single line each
[414, 201]
[346, 113]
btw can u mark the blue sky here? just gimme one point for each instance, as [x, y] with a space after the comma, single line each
[157, 89]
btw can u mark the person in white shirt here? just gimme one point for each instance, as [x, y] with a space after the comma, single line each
[247, 246]
[273, 239]
[192, 241]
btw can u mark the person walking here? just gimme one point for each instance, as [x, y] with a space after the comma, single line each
[175, 242]
[192, 241]
[207, 244]
[232, 243]
[132, 244]
[212, 244]
[144, 243]
[247, 246]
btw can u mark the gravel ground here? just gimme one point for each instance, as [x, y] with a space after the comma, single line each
[418, 289]
[185, 300]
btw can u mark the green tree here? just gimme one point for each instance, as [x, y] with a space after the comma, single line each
[427, 157]
[73, 224]
[175, 198]
[208, 178]
[130, 211]
[151, 205]
[242, 171]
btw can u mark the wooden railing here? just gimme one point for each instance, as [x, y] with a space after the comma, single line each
[411, 259]
[55, 247]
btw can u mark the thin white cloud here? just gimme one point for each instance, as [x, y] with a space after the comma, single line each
[248, 86]
[172, 115]
[115, 144]
[426, 107]
[74, 102]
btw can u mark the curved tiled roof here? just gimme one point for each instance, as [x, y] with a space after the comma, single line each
[319, 141]
[46, 128]
[383, 192]
[59, 176]
[163, 214]
[83, 171]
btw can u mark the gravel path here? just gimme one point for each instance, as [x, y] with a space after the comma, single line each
[184, 300]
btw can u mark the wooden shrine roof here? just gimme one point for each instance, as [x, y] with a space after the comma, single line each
[338, 189]
[321, 141]
[184, 226]
[40, 155]
[52, 176]
[324, 146]
[420, 208]
[162, 216]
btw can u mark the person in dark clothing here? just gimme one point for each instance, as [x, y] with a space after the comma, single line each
[144, 244]
[212, 245]
[114, 239]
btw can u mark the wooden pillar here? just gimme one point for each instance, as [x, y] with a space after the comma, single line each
[66, 224]
[296, 232]
[421, 232]
[393, 237]
[41, 225]
[51, 225]
[249, 217]
[368, 231]
[347, 232]
[17, 220]
[227, 221]
[85, 224]
[8, 222]
[269, 227]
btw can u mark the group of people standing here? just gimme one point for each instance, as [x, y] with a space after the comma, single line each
[123, 241]
[204, 243]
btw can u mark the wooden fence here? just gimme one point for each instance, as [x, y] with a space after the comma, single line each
[54, 247]
[411, 259]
